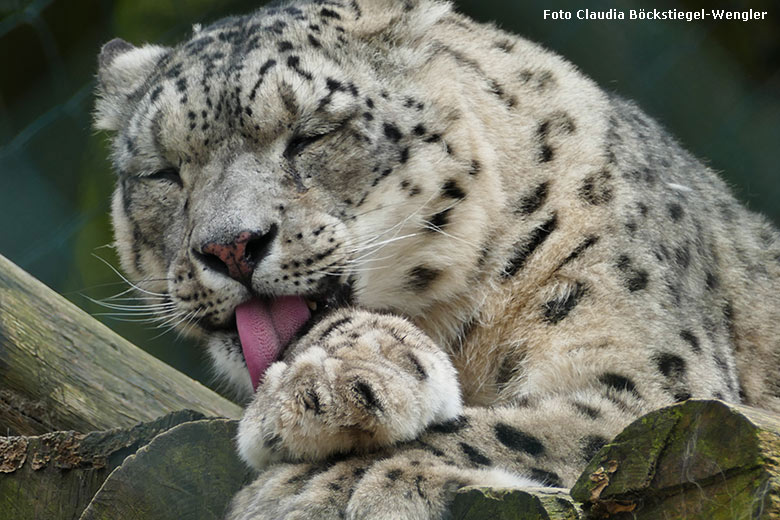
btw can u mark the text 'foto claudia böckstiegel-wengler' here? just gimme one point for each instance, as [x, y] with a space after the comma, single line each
[655, 14]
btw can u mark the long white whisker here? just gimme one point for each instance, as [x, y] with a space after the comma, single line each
[189, 323]
[132, 299]
[140, 307]
[126, 320]
[374, 248]
[130, 290]
[132, 319]
[171, 323]
[125, 279]
[437, 229]
[175, 319]
[108, 284]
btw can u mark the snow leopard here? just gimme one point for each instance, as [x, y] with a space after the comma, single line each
[426, 253]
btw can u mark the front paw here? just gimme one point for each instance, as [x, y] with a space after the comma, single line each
[363, 381]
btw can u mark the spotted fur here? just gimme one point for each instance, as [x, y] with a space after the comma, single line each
[513, 263]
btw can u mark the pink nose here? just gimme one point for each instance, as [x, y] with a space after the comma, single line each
[239, 258]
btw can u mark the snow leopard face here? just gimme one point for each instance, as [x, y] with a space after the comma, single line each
[263, 162]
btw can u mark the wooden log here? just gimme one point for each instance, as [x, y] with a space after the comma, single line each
[705, 460]
[60, 369]
[480, 503]
[55, 475]
[191, 471]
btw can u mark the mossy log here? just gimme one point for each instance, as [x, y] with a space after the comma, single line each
[479, 503]
[191, 471]
[705, 460]
[55, 475]
[60, 369]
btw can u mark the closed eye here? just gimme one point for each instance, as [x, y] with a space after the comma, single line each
[298, 142]
[166, 174]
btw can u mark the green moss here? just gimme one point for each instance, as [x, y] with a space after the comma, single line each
[478, 503]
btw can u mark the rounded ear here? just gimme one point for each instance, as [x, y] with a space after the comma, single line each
[122, 68]
[111, 50]
[410, 18]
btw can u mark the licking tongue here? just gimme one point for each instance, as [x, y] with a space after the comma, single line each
[265, 328]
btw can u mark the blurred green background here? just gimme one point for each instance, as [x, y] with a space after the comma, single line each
[715, 85]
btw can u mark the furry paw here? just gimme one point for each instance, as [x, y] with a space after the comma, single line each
[412, 484]
[361, 381]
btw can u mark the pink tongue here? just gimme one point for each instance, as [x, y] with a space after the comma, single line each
[264, 330]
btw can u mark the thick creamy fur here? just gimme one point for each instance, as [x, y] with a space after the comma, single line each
[534, 262]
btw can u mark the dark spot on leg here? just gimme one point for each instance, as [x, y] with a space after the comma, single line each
[476, 167]
[418, 480]
[308, 474]
[156, 93]
[532, 201]
[596, 189]
[452, 426]
[392, 132]
[436, 452]
[366, 396]
[334, 85]
[670, 365]
[439, 220]
[682, 395]
[311, 401]
[394, 474]
[333, 326]
[527, 246]
[711, 281]
[475, 456]
[588, 242]
[508, 368]
[675, 211]
[314, 41]
[504, 45]
[546, 153]
[691, 339]
[728, 316]
[420, 277]
[619, 383]
[636, 279]
[558, 308]
[422, 375]
[329, 13]
[451, 189]
[517, 440]
[547, 478]
[294, 63]
[587, 410]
